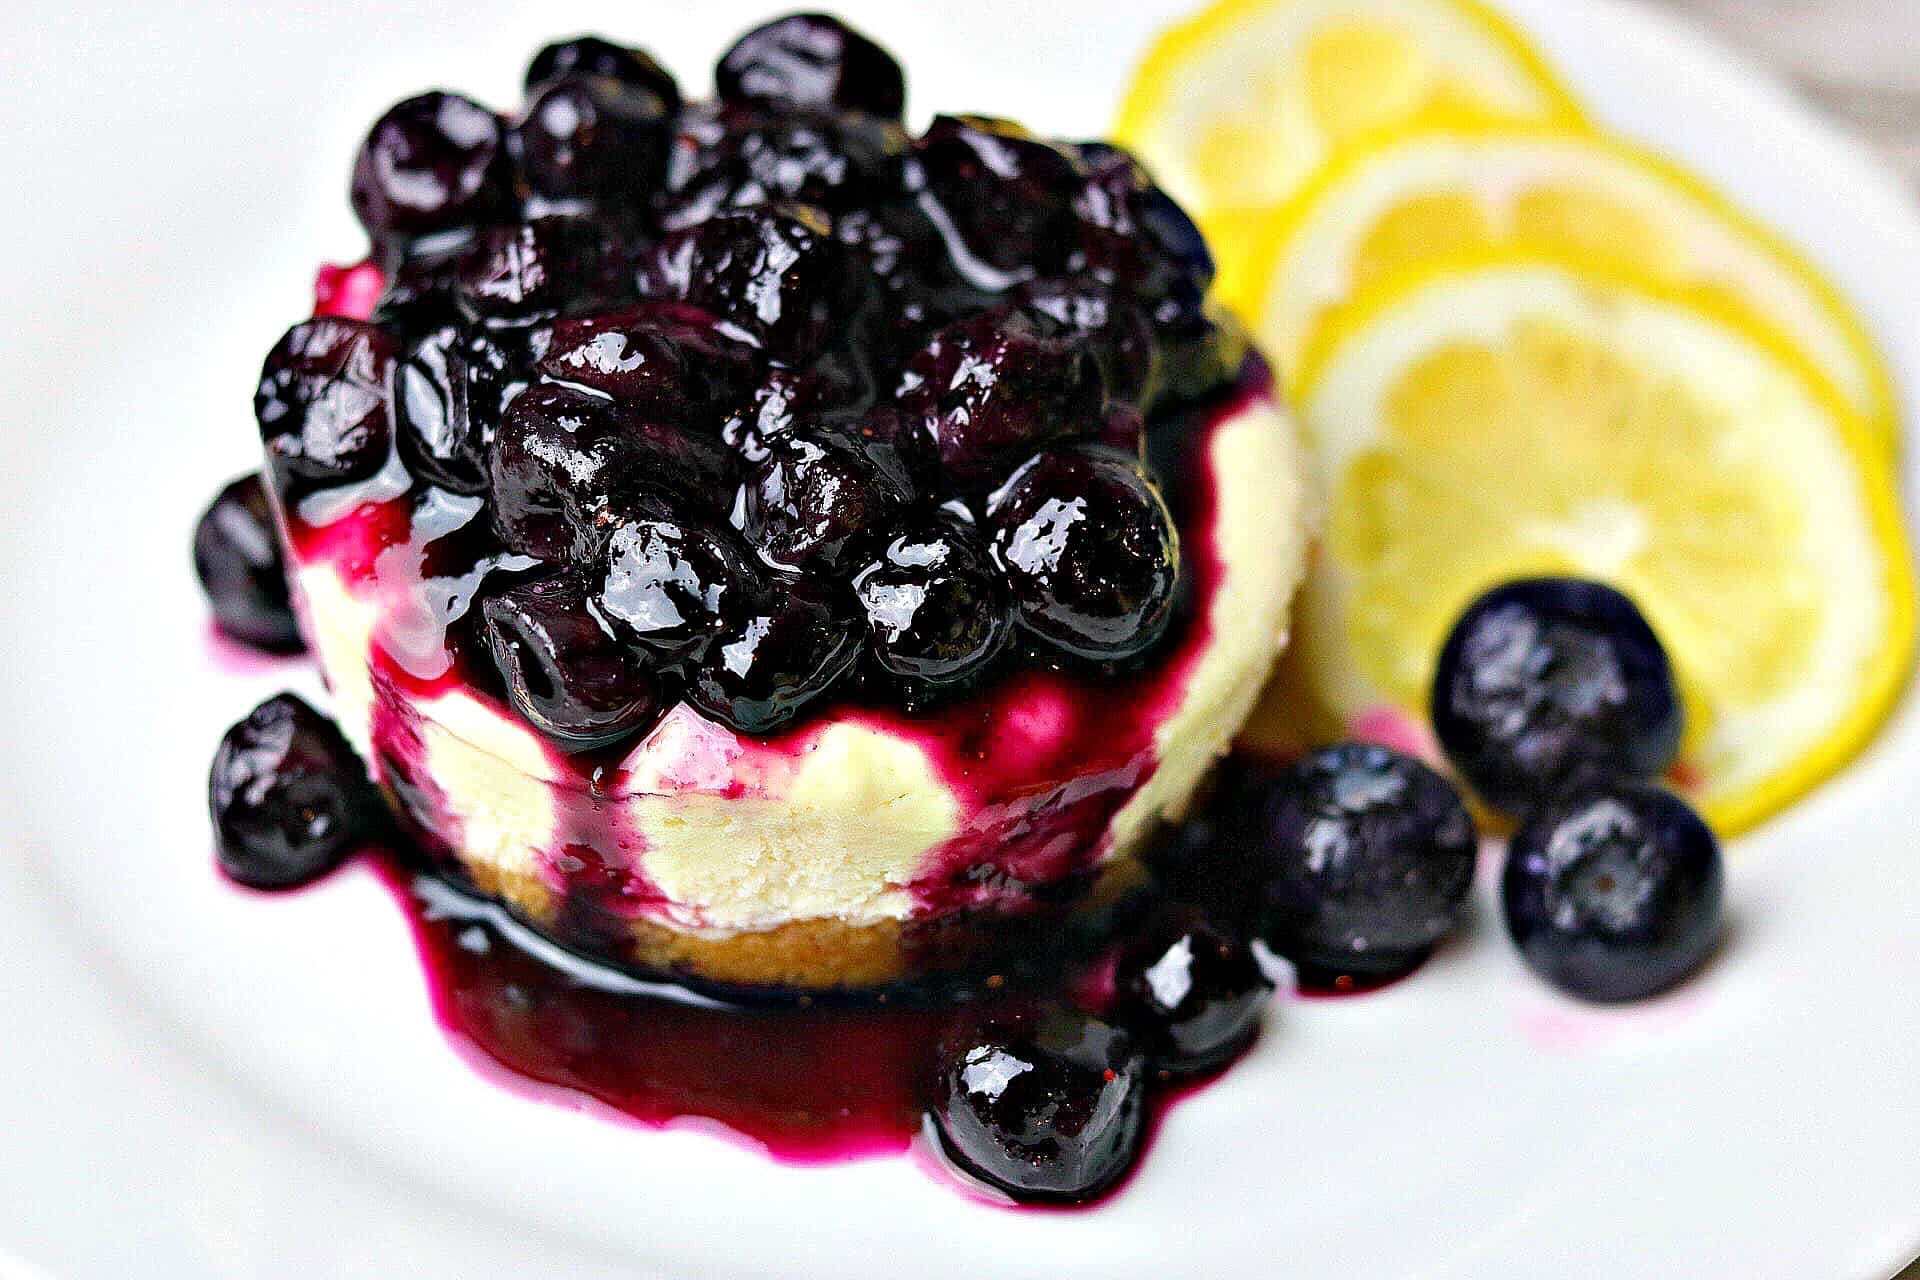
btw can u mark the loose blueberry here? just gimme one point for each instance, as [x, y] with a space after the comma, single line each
[1002, 198]
[595, 57]
[1547, 682]
[236, 553]
[670, 583]
[664, 359]
[534, 269]
[811, 60]
[936, 609]
[432, 163]
[1614, 893]
[1192, 992]
[1046, 1107]
[595, 138]
[993, 388]
[1365, 858]
[289, 798]
[1090, 550]
[564, 669]
[813, 500]
[790, 649]
[323, 400]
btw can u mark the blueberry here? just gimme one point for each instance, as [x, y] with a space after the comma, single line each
[535, 269]
[1002, 198]
[739, 158]
[595, 138]
[1050, 1106]
[1192, 992]
[565, 671]
[323, 401]
[596, 57]
[562, 456]
[811, 60]
[1134, 237]
[813, 500]
[991, 389]
[446, 401]
[419, 296]
[1115, 328]
[936, 609]
[1090, 551]
[432, 163]
[665, 359]
[1365, 857]
[236, 553]
[288, 796]
[775, 276]
[671, 583]
[790, 648]
[1548, 681]
[1614, 892]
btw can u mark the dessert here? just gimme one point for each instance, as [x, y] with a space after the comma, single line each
[763, 545]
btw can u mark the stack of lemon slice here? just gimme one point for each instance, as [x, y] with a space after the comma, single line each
[1524, 347]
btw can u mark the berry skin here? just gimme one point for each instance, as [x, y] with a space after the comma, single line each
[1002, 198]
[664, 359]
[669, 583]
[446, 403]
[789, 649]
[437, 162]
[812, 61]
[936, 609]
[592, 56]
[595, 138]
[812, 501]
[1548, 682]
[1614, 893]
[1115, 329]
[236, 555]
[992, 389]
[1048, 1106]
[565, 672]
[1090, 550]
[1134, 237]
[737, 158]
[288, 796]
[1366, 858]
[1192, 993]
[323, 402]
[520, 273]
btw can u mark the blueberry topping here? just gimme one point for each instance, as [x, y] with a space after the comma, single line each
[1547, 682]
[813, 500]
[1614, 892]
[1366, 858]
[811, 60]
[666, 359]
[736, 159]
[289, 798]
[532, 270]
[1090, 550]
[1002, 198]
[1193, 993]
[790, 648]
[1046, 1107]
[1116, 330]
[236, 553]
[671, 584]
[564, 669]
[433, 163]
[594, 57]
[323, 400]
[1135, 238]
[595, 138]
[936, 609]
[445, 401]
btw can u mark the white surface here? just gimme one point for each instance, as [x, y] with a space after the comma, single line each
[195, 1082]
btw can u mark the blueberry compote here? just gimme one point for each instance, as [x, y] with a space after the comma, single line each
[765, 405]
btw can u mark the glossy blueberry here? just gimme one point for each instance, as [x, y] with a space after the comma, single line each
[665, 359]
[595, 138]
[562, 456]
[1365, 857]
[811, 60]
[991, 389]
[1192, 992]
[1134, 237]
[1090, 551]
[595, 57]
[776, 278]
[1116, 330]
[1002, 198]
[1614, 892]
[669, 581]
[1546, 682]
[812, 500]
[936, 609]
[534, 269]
[323, 400]
[1050, 1106]
[289, 798]
[564, 669]
[433, 163]
[419, 296]
[446, 403]
[236, 554]
[727, 160]
[792, 646]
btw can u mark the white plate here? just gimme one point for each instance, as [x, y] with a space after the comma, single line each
[198, 1082]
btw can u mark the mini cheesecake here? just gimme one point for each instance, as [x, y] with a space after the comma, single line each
[761, 545]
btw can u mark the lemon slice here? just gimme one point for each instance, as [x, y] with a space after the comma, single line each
[1507, 415]
[1235, 108]
[1458, 186]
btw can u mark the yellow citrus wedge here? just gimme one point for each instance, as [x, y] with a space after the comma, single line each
[1445, 188]
[1501, 415]
[1236, 108]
